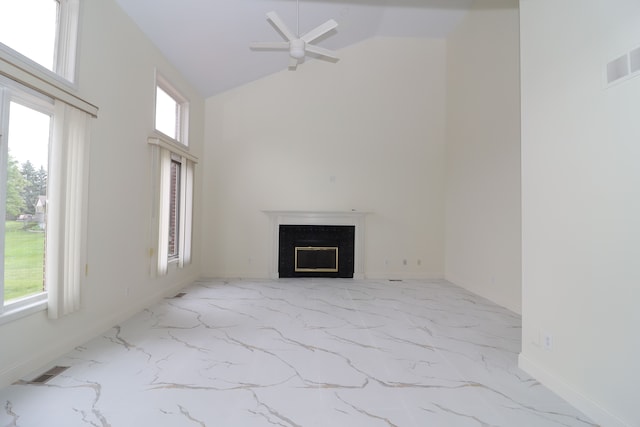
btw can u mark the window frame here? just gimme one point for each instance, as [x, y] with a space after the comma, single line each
[11, 91]
[68, 173]
[182, 116]
[65, 49]
[163, 151]
[167, 150]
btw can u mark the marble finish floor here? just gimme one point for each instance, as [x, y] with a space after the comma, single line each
[299, 352]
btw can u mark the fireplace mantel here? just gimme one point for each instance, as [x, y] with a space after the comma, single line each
[355, 218]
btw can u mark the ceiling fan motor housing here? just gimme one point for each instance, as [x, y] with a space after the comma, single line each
[296, 48]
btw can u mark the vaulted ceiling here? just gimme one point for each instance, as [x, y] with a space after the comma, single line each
[208, 40]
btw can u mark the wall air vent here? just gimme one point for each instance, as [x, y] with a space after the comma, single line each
[617, 69]
[51, 373]
[624, 67]
[634, 60]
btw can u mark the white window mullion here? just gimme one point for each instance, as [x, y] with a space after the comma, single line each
[67, 39]
[3, 182]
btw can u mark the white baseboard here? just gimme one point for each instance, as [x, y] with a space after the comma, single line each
[356, 276]
[43, 360]
[403, 276]
[587, 406]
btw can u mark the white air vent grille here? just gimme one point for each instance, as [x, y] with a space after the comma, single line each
[623, 68]
[617, 69]
[51, 373]
[634, 60]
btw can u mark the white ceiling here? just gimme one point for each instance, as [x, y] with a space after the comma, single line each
[208, 40]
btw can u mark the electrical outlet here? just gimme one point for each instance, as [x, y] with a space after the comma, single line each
[419, 262]
[404, 262]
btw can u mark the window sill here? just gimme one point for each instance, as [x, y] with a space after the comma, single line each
[179, 144]
[173, 146]
[173, 263]
[36, 304]
[16, 58]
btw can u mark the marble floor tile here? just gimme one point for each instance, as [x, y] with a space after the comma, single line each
[299, 352]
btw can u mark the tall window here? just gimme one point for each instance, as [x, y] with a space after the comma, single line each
[175, 204]
[43, 31]
[175, 166]
[44, 136]
[25, 134]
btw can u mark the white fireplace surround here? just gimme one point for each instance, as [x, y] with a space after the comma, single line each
[355, 218]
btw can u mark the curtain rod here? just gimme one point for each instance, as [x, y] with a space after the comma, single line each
[43, 85]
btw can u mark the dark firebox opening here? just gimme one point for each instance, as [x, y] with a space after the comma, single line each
[310, 241]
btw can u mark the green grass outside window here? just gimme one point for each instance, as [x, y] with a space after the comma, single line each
[23, 261]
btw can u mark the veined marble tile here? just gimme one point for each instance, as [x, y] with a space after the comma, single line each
[299, 352]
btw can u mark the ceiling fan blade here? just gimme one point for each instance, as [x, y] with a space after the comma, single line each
[319, 31]
[293, 63]
[280, 25]
[321, 51]
[269, 45]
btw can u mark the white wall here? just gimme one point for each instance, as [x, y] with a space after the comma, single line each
[581, 205]
[366, 133]
[116, 72]
[482, 240]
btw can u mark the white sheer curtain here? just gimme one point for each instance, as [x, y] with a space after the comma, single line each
[164, 214]
[186, 213]
[66, 215]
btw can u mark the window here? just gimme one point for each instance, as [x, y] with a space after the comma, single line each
[171, 114]
[175, 173]
[175, 204]
[29, 27]
[173, 250]
[42, 192]
[42, 32]
[25, 126]
[43, 187]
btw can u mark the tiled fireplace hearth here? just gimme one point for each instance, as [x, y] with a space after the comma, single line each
[354, 219]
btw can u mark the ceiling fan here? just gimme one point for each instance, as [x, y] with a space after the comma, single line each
[298, 45]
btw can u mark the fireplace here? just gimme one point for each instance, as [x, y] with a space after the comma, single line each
[355, 219]
[321, 259]
[316, 250]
